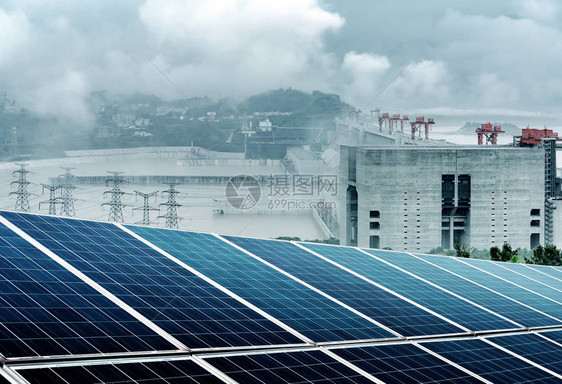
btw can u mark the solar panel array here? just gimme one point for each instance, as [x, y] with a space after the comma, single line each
[90, 302]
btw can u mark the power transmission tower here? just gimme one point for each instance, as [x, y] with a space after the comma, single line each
[66, 183]
[22, 199]
[172, 205]
[53, 200]
[116, 206]
[146, 208]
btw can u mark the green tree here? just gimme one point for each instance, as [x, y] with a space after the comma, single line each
[547, 255]
[495, 253]
[506, 254]
[461, 249]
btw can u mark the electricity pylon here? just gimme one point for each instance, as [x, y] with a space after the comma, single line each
[146, 208]
[172, 205]
[116, 206]
[66, 183]
[22, 199]
[53, 200]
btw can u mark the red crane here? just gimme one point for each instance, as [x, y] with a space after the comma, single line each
[385, 117]
[531, 136]
[416, 125]
[490, 131]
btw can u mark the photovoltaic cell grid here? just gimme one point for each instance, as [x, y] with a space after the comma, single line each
[178, 371]
[184, 305]
[512, 277]
[531, 299]
[388, 309]
[292, 367]
[46, 310]
[454, 308]
[553, 335]
[300, 307]
[490, 362]
[554, 272]
[404, 363]
[502, 305]
[535, 274]
[139, 275]
[534, 348]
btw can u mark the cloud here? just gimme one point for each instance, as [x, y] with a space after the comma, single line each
[474, 55]
[64, 97]
[422, 84]
[364, 71]
[14, 32]
[244, 45]
[544, 11]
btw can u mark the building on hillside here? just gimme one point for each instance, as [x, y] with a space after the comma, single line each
[419, 198]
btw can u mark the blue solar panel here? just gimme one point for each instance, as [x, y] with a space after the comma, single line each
[46, 310]
[508, 274]
[177, 371]
[460, 311]
[293, 367]
[404, 363]
[534, 348]
[529, 298]
[490, 362]
[380, 305]
[186, 306]
[553, 335]
[555, 272]
[499, 304]
[303, 309]
[536, 274]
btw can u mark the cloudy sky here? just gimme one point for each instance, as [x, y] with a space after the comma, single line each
[460, 55]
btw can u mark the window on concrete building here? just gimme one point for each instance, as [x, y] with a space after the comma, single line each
[535, 212]
[535, 223]
[374, 214]
[448, 191]
[374, 225]
[535, 240]
[464, 190]
[374, 242]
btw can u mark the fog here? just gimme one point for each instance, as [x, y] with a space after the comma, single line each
[480, 55]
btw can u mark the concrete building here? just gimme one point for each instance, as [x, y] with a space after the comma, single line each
[419, 198]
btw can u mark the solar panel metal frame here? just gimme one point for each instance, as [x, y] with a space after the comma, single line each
[17, 368]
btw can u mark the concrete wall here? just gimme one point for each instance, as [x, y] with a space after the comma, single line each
[404, 185]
